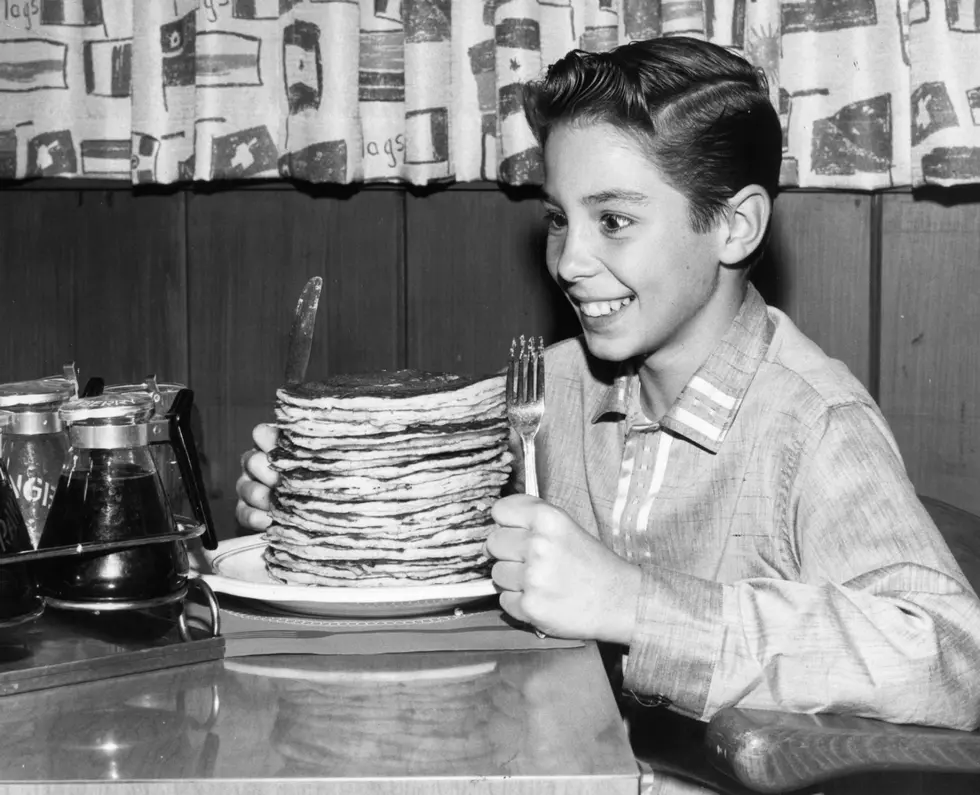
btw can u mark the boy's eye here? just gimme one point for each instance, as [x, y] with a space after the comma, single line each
[555, 219]
[614, 223]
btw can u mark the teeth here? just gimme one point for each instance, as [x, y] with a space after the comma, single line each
[600, 308]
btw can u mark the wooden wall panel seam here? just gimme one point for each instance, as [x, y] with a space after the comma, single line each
[874, 290]
[403, 286]
[185, 216]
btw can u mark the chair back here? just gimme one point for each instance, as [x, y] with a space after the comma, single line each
[961, 530]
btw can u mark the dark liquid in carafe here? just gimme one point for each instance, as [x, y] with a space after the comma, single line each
[111, 503]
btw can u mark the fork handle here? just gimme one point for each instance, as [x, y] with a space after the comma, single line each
[530, 466]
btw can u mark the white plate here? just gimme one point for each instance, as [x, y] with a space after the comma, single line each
[237, 569]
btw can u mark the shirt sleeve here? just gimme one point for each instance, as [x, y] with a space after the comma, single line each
[880, 621]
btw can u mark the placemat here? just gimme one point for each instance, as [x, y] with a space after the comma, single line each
[248, 629]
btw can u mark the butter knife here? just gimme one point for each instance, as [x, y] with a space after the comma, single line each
[301, 333]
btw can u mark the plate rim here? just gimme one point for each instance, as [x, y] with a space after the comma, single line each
[241, 665]
[324, 594]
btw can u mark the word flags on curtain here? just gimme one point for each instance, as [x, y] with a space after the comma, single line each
[430, 91]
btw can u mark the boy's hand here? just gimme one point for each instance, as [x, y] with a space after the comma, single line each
[557, 577]
[256, 481]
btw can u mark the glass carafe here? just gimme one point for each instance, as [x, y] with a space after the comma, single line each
[110, 491]
[164, 455]
[33, 445]
[19, 600]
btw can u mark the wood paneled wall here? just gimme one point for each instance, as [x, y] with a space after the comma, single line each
[200, 286]
[930, 343]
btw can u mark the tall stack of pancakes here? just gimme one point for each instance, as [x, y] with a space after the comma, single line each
[386, 479]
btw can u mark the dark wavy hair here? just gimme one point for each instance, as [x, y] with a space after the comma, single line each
[701, 113]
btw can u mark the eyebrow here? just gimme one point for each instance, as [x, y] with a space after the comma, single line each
[616, 195]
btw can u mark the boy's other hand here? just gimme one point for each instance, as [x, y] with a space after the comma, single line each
[254, 486]
[557, 577]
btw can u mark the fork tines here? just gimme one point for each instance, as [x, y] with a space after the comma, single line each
[525, 371]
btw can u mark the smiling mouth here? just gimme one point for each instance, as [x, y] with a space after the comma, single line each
[603, 308]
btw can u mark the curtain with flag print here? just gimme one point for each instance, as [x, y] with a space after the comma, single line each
[872, 93]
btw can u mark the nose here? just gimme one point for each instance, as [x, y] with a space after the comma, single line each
[569, 256]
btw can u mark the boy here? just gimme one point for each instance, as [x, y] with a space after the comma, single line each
[719, 498]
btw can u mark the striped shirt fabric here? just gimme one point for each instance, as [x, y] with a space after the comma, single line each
[787, 561]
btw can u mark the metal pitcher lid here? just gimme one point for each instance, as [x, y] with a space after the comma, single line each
[167, 392]
[38, 392]
[131, 406]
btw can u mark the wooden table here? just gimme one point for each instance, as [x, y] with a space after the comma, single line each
[475, 722]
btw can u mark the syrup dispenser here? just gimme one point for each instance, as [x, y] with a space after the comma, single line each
[19, 600]
[179, 484]
[33, 443]
[112, 511]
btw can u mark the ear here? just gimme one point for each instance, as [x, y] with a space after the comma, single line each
[743, 232]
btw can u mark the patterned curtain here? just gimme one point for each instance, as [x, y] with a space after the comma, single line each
[872, 93]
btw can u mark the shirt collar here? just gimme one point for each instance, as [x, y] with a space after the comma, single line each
[706, 408]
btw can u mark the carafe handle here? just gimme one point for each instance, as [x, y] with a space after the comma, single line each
[182, 442]
[93, 387]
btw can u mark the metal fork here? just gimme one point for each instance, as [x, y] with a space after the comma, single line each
[525, 401]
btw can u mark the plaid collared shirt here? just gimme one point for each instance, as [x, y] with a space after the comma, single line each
[787, 562]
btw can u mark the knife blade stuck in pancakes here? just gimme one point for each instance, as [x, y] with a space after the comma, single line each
[386, 479]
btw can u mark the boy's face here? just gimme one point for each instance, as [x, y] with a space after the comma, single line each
[620, 245]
